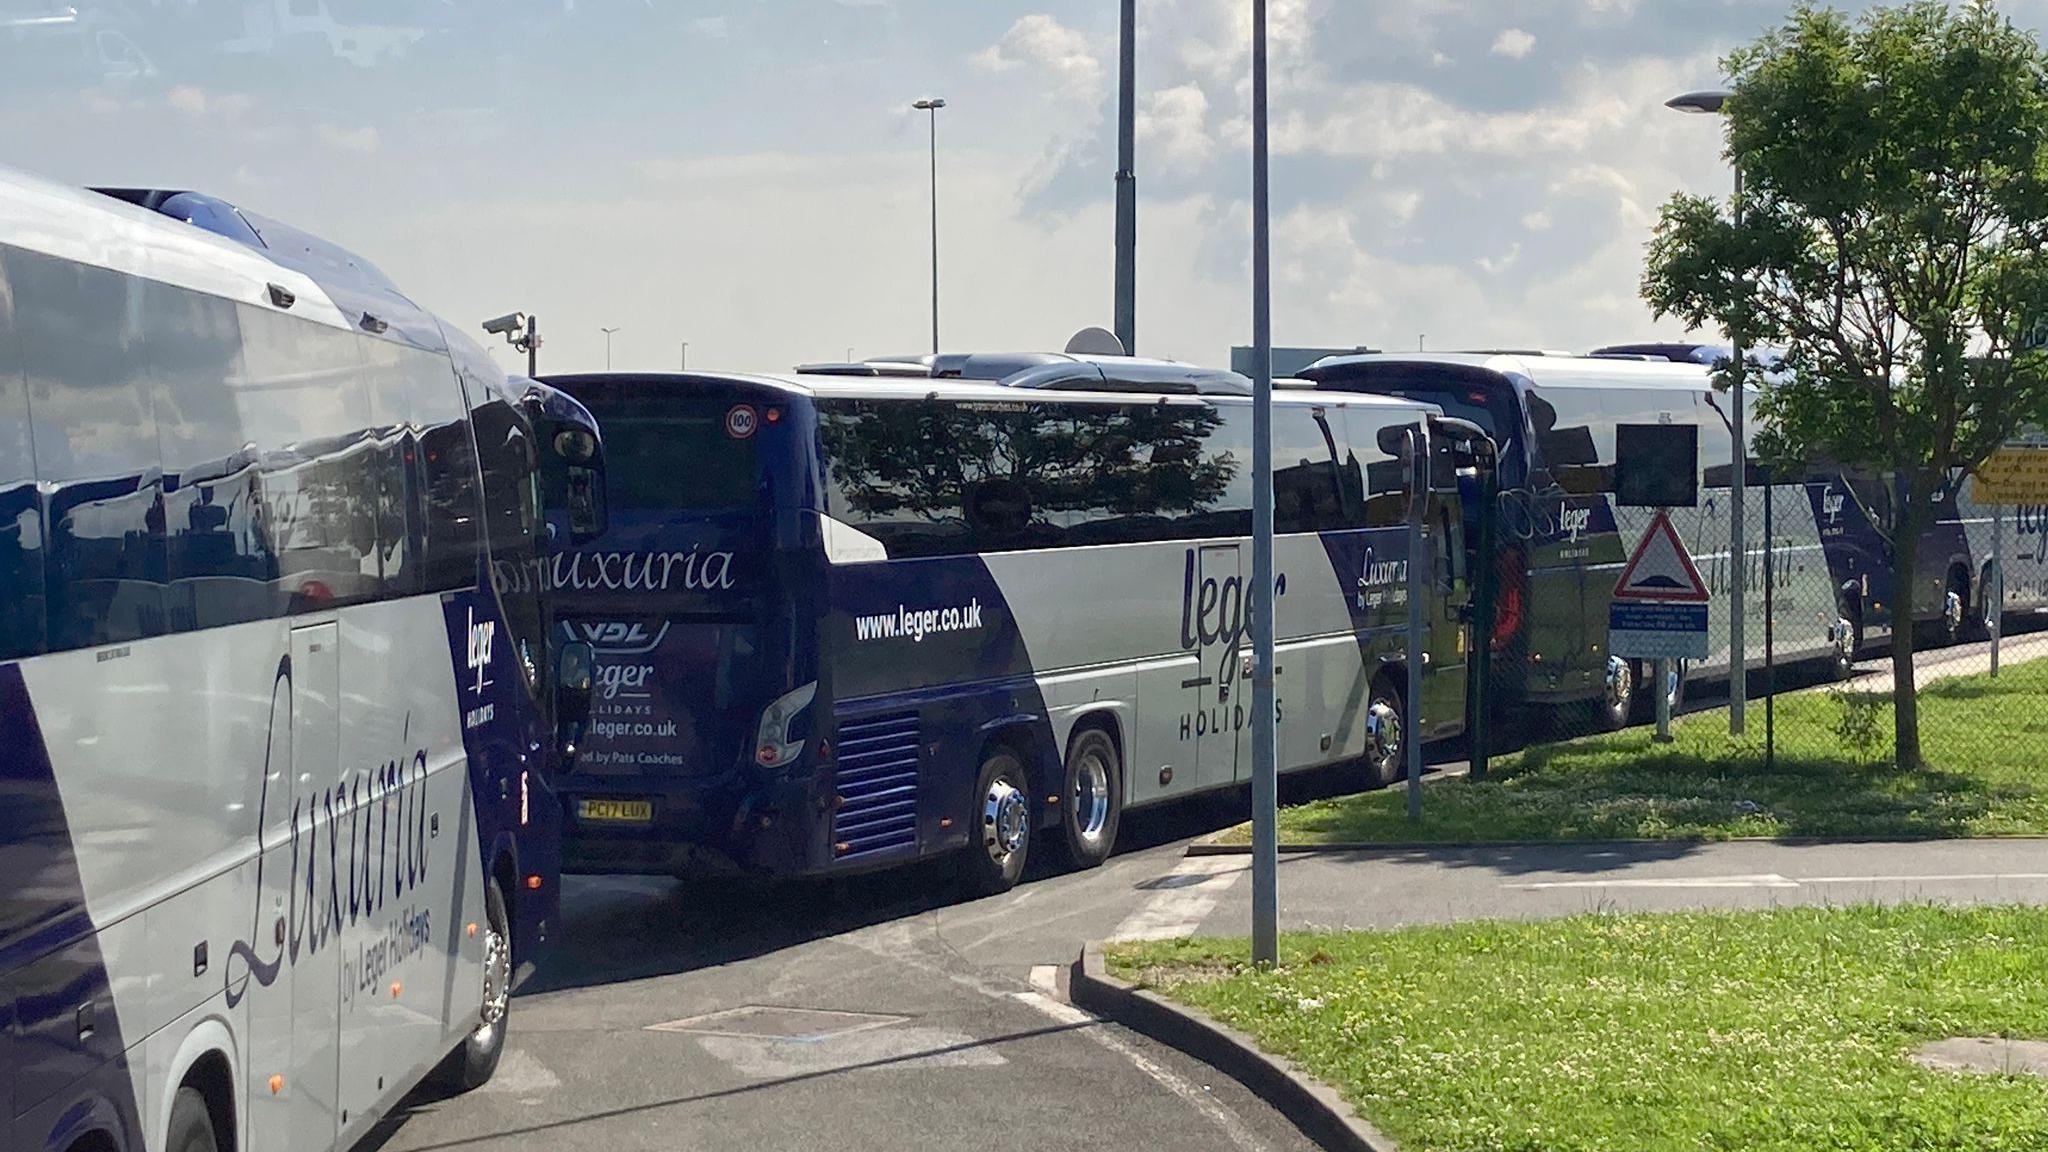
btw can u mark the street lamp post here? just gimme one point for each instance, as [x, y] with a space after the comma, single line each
[1714, 102]
[1127, 181]
[1265, 749]
[932, 106]
[684, 363]
[608, 346]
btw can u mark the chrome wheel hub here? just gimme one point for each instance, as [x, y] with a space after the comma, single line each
[497, 987]
[1090, 801]
[1952, 612]
[1005, 820]
[1383, 736]
[1621, 687]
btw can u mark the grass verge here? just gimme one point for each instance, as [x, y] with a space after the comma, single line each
[1986, 742]
[1775, 1030]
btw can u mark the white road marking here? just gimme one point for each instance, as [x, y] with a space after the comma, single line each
[1046, 978]
[1194, 1094]
[520, 1074]
[1932, 878]
[1764, 881]
[887, 1049]
[1773, 880]
[1185, 898]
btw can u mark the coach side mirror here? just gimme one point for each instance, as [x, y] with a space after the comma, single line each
[575, 674]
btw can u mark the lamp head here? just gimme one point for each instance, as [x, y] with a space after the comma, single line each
[1707, 103]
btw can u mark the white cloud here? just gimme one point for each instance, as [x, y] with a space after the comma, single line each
[1173, 127]
[1513, 43]
[360, 140]
[1043, 44]
[194, 101]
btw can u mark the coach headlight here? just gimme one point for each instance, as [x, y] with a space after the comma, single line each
[781, 737]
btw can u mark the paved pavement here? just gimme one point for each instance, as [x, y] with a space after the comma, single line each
[2018, 647]
[1386, 889]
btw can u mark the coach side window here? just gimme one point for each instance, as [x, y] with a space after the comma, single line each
[22, 605]
[900, 470]
[448, 476]
[1308, 495]
[512, 515]
[95, 444]
[319, 474]
[212, 429]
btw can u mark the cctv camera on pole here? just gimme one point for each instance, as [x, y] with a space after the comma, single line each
[522, 332]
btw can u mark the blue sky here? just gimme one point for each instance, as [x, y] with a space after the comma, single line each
[747, 175]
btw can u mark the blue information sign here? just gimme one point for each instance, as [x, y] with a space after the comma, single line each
[1649, 630]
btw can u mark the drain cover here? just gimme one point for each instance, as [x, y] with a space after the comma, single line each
[762, 1022]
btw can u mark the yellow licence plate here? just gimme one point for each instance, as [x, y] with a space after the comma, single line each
[616, 811]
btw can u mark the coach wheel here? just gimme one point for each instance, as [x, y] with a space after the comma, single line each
[1002, 817]
[1848, 643]
[1990, 612]
[1675, 675]
[191, 1123]
[476, 1061]
[1385, 724]
[1619, 701]
[1955, 612]
[1092, 802]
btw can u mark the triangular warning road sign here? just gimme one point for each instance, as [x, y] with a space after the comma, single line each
[1661, 569]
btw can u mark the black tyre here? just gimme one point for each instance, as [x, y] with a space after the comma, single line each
[1001, 820]
[1386, 727]
[475, 1061]
[1092, 800]
[191, 1124]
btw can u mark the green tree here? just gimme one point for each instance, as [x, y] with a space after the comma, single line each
[1892, 237]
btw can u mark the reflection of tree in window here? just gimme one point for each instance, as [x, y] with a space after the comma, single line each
[930, 478]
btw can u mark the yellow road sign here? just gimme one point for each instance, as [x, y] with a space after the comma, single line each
[2015, 475]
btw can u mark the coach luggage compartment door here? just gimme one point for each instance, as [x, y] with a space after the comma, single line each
[1219, 691]
[300, 861]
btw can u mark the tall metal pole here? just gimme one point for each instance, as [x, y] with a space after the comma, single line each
[1127, 185]
[1265, 774]
[1770, 624]
[1738, 542]
[607, 347]
[683, 363]
[1994, 613]
[533, 346]
[1418, 556]
[934, 110]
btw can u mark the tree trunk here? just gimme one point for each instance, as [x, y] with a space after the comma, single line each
[1909, 509]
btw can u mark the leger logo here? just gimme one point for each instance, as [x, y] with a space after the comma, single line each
[1573, 521]
[480, 636]
[1831, 503]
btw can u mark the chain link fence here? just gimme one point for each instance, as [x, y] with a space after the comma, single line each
[1820, 718]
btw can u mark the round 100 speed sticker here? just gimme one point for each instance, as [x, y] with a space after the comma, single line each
[741, 421]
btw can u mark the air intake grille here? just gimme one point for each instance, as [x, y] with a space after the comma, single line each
[876, 782]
